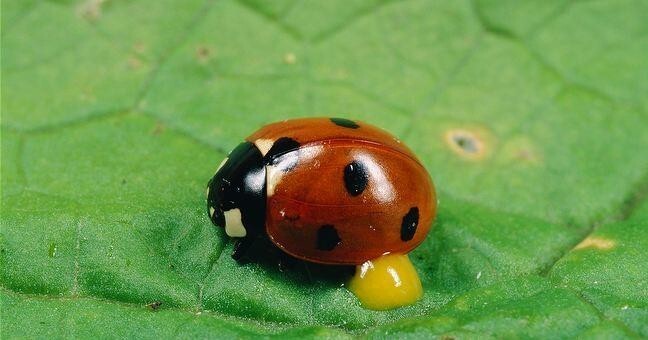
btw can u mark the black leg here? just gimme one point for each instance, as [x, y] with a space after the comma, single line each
[241, 247]
[285, 262]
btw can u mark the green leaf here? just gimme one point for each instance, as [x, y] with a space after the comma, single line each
[530, 116]
[608, 268]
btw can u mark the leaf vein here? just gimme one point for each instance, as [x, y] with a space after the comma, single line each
[185, 133]
[77, 254]
[556, 13]
[625, 210]
[287, 30]
[442, 86]
[16, 19]
[599, 313]
[214, 261]
[356, 16]
[198, 19]
[20, 162]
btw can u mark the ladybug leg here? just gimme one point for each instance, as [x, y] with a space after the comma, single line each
[241, 248]
[308, 273]
[285, 262]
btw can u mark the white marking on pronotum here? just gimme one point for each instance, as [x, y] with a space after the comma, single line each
[211, 211]
[233, 224]
[222, 163]
[273, 177]
[263, 145]
[207, 192]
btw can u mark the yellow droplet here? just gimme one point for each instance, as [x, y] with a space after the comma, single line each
[387, 282]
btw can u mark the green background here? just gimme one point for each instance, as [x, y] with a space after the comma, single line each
[531, 117]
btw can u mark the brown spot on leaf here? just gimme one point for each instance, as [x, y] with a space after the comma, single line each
[522, 150]
[290, 58]
[154, 305]
[525, 155]
[465, 143]
[158, 128]
[204, 54]
[139, 47]
[87, 95]
[596, 242]
[90, 9]
[135, 63]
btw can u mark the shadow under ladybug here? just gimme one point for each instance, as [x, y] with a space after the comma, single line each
[265, 254]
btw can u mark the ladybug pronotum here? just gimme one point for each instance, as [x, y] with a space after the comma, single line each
[331, 191]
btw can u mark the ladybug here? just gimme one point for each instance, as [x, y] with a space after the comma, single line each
[324, 190]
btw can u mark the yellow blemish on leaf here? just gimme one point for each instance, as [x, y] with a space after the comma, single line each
[521, 150]
[135, 63]
[461, 303]
[596, 242]
[90, 9]
[139, 48]
[525, 154]
[341, 74]
[290, 58]
[467, 144]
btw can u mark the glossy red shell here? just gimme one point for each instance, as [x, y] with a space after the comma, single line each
[311, 194]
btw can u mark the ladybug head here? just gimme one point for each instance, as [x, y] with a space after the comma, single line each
[237, 192]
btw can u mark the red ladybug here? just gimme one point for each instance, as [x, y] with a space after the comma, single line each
[331, 191]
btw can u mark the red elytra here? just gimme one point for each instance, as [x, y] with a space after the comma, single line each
[332, 191]
[339, 191]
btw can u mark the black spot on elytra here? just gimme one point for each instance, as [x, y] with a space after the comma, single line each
[355, 178]
[327, 237]
[280, 147]
[410, 222]
[343, 122]
[283, 153]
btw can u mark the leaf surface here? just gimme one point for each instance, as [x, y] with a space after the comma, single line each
[530, 117]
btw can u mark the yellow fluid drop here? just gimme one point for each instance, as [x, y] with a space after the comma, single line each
[387, 282]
